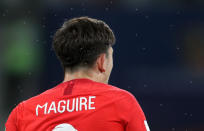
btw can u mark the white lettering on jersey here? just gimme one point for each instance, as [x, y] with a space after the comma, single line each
[60, 106]
[52, 108]
[64, 127]
[90, 102]
[146, 125]
[83, 102]
[77, 102]
[69, 105]
[39, 106]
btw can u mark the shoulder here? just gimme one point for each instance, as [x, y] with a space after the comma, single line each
[116, 92]
[44, 96]
[125, 103]
[13, 118]
[17, 114]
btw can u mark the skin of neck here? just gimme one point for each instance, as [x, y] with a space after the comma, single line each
[87, 74]
[99, 72]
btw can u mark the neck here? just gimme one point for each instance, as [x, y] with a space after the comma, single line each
[80, 74]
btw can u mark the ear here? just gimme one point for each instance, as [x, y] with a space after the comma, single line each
[100, 63]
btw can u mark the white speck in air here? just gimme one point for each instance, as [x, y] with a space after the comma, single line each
[19, 87]
[177, 48]
[71, 9]
[145, 85]
[178, 12]
[37, 40]
[44, 42]
[3, 14]
[106, 8]
[144, 49]
[136, 34]
[43, 18]
[129, 87]
[28, 12]
[136, 9]
[146, 17]
[171, 25]
[29, 73]
[173, 129]
[191, 82]
[82, 4]
[6, 10]
[21, 90]
[161, 105]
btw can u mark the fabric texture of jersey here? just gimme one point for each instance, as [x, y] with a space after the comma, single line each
[79, 105]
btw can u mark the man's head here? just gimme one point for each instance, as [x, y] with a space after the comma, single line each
[85, 44]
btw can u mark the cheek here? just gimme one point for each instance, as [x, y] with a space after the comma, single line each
[111, 63]
[112, 60]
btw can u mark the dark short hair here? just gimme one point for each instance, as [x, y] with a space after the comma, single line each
[80, 41]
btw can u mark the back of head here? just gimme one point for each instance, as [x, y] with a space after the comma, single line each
[80, 41]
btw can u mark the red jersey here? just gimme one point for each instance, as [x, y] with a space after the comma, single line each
[79, 105]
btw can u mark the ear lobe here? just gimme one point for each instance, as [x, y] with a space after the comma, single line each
[100, 63]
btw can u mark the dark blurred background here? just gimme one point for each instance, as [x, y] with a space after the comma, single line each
[158, 56]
